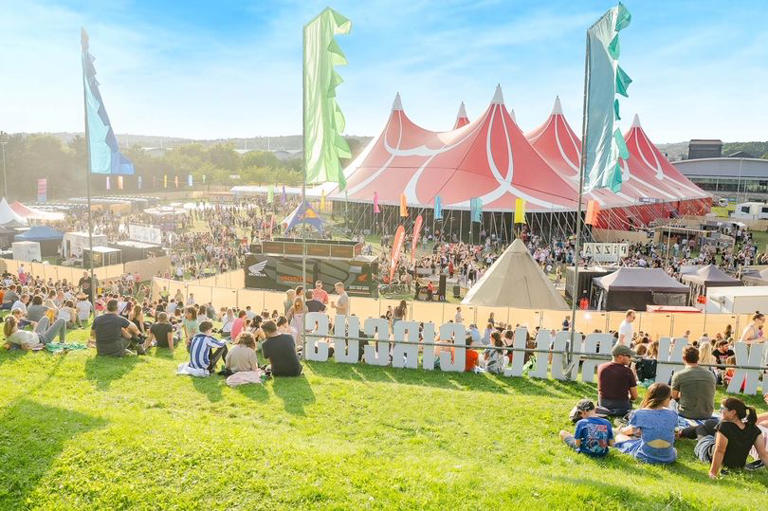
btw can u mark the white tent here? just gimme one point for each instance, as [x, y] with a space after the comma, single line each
[8, 217]
[515, 280]
[737, 300]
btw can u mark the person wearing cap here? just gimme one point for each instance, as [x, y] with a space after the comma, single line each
[616, 383]
[593, 435]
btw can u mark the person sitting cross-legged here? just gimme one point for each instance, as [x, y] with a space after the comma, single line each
[114, 335]
[205, 351]
[280, 349]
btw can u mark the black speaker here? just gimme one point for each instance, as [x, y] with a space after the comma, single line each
[457, 291]
[442, 285]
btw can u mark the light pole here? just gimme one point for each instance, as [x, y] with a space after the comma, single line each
[3, 143]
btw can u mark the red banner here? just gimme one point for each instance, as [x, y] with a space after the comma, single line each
[416, 233]
[397, 245]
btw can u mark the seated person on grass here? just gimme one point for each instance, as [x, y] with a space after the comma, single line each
[205, 351]
[280, 349]
[593, 436]
[616, 383]
[160, 333]
[694, 387]
[242, 357]
[44, 333]
[650, 435]
[471, 357]
[114, 335]
[726, 443]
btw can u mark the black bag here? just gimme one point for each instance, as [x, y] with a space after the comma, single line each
[646, 369]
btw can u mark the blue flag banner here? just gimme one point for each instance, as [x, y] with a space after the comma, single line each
[476, 210]
[604, 145]
[438, 208]
[105, 155]
[139, 181]
[190, 180]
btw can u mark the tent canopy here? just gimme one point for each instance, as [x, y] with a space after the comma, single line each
[303, 214]
[515, 280]
[654, 280]
[40, 233]
[711, 276]
[8, 217]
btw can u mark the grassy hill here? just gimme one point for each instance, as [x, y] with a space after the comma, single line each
[85, 433]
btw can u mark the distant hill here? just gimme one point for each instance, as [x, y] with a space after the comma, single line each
[277, 143]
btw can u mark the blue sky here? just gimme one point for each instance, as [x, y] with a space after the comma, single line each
[233, 69]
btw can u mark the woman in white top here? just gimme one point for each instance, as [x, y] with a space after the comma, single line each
[84, 309]
[43, 333]
[227, 321]
[67, 313]
[754, 331]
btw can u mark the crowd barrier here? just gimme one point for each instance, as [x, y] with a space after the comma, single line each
[399, 347]
[218, 291]
[146, 268]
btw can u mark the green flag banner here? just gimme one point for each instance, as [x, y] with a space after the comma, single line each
[323, 120]
[604, 144]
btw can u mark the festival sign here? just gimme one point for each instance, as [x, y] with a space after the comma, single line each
[146, 234]
[402, 349]
[605, 252]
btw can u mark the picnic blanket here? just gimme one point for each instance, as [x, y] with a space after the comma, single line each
[58, 347]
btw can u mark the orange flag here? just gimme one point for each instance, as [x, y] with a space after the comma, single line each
[403, 206]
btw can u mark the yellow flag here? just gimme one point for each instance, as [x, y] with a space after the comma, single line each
[165, 181]
[322, 201]
[403, 206]
[519, 211]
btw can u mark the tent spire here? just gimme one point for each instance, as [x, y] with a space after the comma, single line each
[558, 108]
[636, 122]
[512, 115]
[397, 104]
[498, 97]
[462, 111]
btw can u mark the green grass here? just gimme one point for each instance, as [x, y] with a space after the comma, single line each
[80, 432]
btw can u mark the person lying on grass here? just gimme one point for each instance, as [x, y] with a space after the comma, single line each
[593, 436]
[650, 435]
[205, 351]
[44, 333]
[726, 443]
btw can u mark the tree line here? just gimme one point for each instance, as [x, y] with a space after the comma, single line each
[30, 157]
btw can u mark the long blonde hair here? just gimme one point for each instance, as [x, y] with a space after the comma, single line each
[705, 354]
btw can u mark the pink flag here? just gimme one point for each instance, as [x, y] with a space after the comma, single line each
[416, 233]
[108, 187]
[397, 244]
[376, 202]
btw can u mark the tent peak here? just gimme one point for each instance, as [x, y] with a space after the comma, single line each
[462, 111]
[498, 97]
[397, 104]
[512, 115]
[636, 122]
[558, 108]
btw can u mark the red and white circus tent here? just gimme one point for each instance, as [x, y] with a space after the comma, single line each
[488, 158]
[491, 159]
[645, 195]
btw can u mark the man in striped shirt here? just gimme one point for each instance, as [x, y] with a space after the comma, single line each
[205, 351]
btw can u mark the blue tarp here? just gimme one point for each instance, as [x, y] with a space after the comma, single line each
[39, 233]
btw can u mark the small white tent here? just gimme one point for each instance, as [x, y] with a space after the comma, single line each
[515, 280]
[8, 217]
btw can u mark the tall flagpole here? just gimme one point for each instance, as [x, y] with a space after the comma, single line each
[83, 39]
[575, 295]
[304, 143]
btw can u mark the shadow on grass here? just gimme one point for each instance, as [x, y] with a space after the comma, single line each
[210, 387]
[31, 438]
[452, 381]
[10, 355]
[295, 392]
[254, 391]
[102, 370]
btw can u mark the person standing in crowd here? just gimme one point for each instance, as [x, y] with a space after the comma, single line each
[114, 335]
[205, 351]
[313, 304]
[190, 324]
[650, 433]
[616, 383]
[458, 318]
[319, 293]
[85, 284]
[280, 350]
[694, 387]
[295, 318]
[342, 303]
[626, 329]
[400, 313]
[753, 332]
